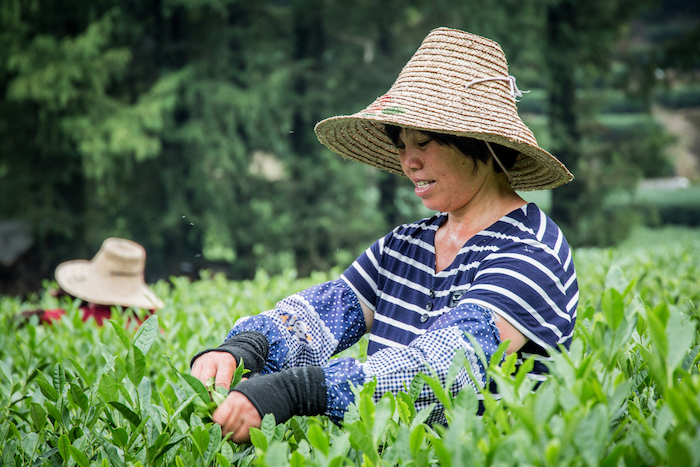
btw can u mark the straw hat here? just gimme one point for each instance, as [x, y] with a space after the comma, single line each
[113, 277]
[456, 83]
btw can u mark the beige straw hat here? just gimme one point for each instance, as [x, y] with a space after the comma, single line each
[113, 277]
[456, 83]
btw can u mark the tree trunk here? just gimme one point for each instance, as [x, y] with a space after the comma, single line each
[561, 56]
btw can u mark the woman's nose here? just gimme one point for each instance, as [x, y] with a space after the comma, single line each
[411, 160]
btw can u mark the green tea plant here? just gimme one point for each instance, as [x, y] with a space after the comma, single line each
[626, 393]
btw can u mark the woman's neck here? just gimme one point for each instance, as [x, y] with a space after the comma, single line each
[493, 201]
[460, 225]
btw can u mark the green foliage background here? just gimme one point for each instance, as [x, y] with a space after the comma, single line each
[186, 125]
[627, 393]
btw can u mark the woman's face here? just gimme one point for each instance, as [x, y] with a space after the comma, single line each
[445, 179]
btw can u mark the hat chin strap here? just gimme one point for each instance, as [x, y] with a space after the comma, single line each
[510, 178]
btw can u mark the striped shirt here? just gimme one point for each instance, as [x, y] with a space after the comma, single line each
[520, 269]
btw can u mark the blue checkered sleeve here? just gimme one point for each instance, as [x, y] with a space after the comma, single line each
[431, 353]
[308, 327]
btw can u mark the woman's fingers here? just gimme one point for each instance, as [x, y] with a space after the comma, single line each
[200, 372]
[220, 365]
[237, 415]
[224, 373]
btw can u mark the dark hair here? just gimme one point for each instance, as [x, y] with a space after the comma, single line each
[470, 147]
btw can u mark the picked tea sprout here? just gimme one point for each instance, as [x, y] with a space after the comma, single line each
[217, 394]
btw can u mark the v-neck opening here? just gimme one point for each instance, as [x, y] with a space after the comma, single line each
[446, 271]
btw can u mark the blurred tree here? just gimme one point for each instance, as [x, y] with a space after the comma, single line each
[187, 125]
[579, 43]
[58, 68]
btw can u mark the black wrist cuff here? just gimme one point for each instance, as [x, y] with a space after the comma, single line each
[296, 391]
[251, 346]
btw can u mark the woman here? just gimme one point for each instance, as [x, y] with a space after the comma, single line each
[114, 277]
[487, 265]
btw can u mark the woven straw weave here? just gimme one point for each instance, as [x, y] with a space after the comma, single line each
[431, 94]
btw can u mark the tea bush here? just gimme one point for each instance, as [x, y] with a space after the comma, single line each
[627, 392]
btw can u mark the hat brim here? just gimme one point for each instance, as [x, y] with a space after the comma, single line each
[80, 279]
[363, 139]
[456, 83]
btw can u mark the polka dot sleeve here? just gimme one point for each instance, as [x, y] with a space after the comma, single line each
[308, 327]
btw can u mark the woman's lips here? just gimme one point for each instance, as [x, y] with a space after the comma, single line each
[423, 186]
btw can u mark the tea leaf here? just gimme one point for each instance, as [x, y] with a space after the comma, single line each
[257, 438]
[615, 279]
[221, 460]
[64, 447]
[183, 406]
[109, 358]
[112, 454]
[146, 334]
[384, 410]
[121, 333]
[297, 429]
[217, 394]
[83, 374]
[46, 388]
[215, 442]
[268, 426]
[53, 411]
[422, 416]
[108, 388]
[417, 438]
[79, 397]
[127, 413]
[438, 390]
[38, 416]
[174, 441]
[407, 410]
[79, 457]
[682, 333]
[298, 460]
[59, 378]
[197, 386]
[30, 443]
[13, 429]
[591, 434]
[318, 439]
[6, 372]
[416, 386]
[177, 390]
[613, 308]
[238, 374]
[120, 436]
[135, 365]
[201, 439]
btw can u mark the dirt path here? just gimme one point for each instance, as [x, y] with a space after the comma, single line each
[684, 125]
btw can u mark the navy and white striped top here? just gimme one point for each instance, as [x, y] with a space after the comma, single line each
[520, 268]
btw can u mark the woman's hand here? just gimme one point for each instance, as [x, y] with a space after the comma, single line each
[220, 365]
[237, 415]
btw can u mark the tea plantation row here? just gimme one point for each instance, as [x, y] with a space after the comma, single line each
[627, 393]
